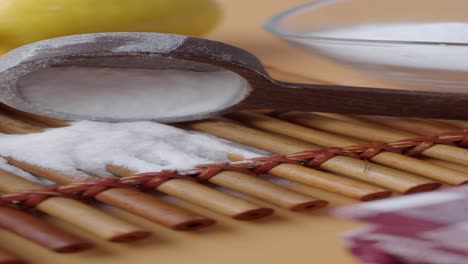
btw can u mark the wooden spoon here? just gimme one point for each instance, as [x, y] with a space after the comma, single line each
[259, 90]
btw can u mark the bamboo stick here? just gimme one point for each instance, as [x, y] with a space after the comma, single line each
[267, 191]
[15, 114]
[326, 181]
[204, 196]
[451, 125]
[462, 124]
[40, 232]
[366, 171]
[76, 213]
[355, 119]
[374, 134]
[342, 185]
[449, 165]
[128, 199]
[252, 186]
[266, 123]
[33, 119]
[342, 117]
[412, 125]
[363, 131]
[296, 186]
[11, 125]
[325, 139]
[8, 258]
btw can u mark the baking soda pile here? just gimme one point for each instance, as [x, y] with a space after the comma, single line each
[141, 146]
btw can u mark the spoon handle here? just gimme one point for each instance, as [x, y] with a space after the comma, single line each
[366, 101]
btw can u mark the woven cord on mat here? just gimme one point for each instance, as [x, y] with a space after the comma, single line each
[255, 166]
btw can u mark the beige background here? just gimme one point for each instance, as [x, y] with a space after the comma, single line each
[286, 237]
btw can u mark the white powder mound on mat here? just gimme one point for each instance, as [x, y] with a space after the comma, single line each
[141, 146]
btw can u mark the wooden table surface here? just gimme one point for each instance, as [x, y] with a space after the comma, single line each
[284, 238]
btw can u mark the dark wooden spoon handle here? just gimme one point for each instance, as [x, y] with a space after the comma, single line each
[358, 100]
[273, 94]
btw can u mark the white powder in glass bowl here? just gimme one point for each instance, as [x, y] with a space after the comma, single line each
[430, 55]
[446, 32]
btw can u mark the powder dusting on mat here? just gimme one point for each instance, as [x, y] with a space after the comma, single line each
[4, 165]
[141, 146]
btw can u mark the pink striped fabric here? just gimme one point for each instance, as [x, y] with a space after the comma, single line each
[428, 228]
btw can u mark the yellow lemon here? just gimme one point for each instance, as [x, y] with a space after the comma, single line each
[25, 21]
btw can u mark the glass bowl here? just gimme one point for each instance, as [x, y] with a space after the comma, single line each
[421, 43]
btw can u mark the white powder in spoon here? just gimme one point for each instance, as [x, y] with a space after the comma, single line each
[141, 146]
[126, 94]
